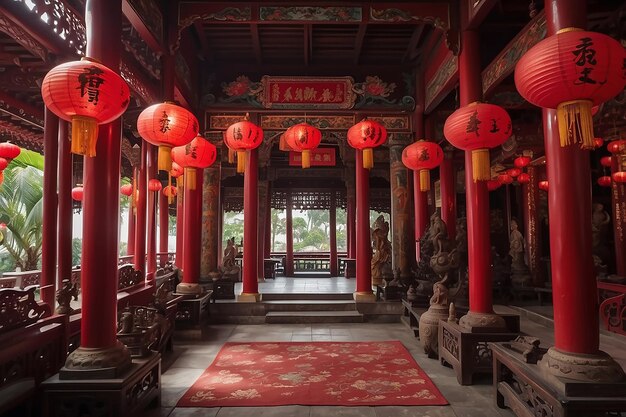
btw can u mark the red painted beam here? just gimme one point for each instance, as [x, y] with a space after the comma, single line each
[24, 111]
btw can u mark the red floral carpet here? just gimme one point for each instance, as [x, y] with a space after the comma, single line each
[312, 373]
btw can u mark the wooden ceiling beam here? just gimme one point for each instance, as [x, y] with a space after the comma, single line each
[358, 42]
[308, 45]
[204, 46]
[21, 110]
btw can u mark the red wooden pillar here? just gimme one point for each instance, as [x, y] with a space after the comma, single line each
[289, 238]
[132, 215]
[49, 229]
[447, 187]
[334, 270]
[618, 203]
[164, 218]
[152, 206]
[192, 234]
[65, 217]
[477, 201]
[99, 351]
[250, 292]
[180, 221]
[140, 219]
[363, 291]
[420, 198]
[532, 228]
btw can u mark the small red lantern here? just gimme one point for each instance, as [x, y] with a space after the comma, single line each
[3, 164]
[87, 94]
[126, 189]
[493, 185]
[478, 127]
[606, 161]
[154, 185]
[617, 146]
[422, 156]
[170, 191]
[303, 138]
[77, 193]
[604, 181]
[523, 178]
[572, 71]
[598, 142]
[167, 125]
[199, 153]
[9, 151]
[242, 137]
[543, 185]
[505, 179]
[521, 161]
[366, 135]
[619, 176]
[514, 172]
[176, 170]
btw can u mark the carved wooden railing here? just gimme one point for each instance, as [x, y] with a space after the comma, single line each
[21, 279]
[312, 261]
[612, 298]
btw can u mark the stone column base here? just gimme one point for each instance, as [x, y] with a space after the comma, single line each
[95, 363]
[188, 288]
[482, 321]
[249, 297]
[600, 367]
[364, 297]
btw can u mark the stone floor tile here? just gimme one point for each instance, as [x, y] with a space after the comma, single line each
[321, 338]
[157, 412]
[301, 338]
[327, 411]
[462, 411]
[283, 411]
[194, 412]
[426, 411]
[195, 360]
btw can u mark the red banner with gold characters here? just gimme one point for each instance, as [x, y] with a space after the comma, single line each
[303, 92]
[322, 157]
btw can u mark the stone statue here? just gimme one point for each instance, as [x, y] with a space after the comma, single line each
[381, 259]
[600, 221]
[228, 262]
[64, 297]
[520, 274]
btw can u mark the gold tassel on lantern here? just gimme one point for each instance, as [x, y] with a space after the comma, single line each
[424, 180]
[231, 156]
[84, 135]
[180, 188]
[368, 158]
[190, 178]
[165, 158]
[576, 123]
[170, 197]
[241, 162]
[481, 166]
[306, 159]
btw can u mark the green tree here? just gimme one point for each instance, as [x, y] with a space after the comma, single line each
[232, 227]
[21, 209]
[300, 229]
[77, 249]
[278, 226]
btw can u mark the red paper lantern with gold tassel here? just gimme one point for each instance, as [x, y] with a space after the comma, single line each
[199, 153]
[476, 128]
[77, 193]
[170, 192]
[167, 125]
[154, 185]
[572, 71]
[87, 94]
[366, 135]
[242, 137]
[303, 138]
[422, 156]
[9, 151]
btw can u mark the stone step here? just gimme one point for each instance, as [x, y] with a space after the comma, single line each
[307, 296]
[297, 317]
[309, 305]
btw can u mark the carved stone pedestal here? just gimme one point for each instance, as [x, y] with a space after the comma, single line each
[531, 389]
[429, 328]
[467, 351]
[126, 395]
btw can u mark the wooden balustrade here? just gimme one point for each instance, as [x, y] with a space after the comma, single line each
[612, 300]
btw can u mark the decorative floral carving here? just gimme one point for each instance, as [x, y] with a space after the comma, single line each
[128, 277]
[320, 14]
[242, 90]
[447, 69]
[18, 308]
[450, 343]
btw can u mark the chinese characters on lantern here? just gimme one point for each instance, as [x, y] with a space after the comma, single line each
[90, 82]
[164, 123]
[585, 57]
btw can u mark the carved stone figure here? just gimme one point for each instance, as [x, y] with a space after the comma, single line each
[381, 259]
[520, 274]
[64, 297]
[228, 261]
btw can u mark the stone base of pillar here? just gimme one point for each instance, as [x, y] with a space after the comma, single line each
[260, 279]
[94, 363]
[249, 297]
[598, 368]
[364, 297]
[188, 288]
[482, 322]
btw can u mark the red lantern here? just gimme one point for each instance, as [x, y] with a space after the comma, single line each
[521, 161]
[543, 185]
[77, 193]
[523, 178]
[242, 137]
[3, 164]
[478, 127]
[493, 185]
[604, 181]
[167, 125]
[126, 189]
[505, 179]
[514, 172]
[598, 142]
[154, 185]
[572, 71]
[606, 161]
[616, 146]
[170, 191]
[303, 138]
[199, 153]
[366, 135]
[619, 176]
[176, 170]
[422, 156]
[87, 94]
[9, 151]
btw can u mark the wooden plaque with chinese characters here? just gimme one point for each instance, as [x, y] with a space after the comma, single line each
[319, 157]
[307, 93]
